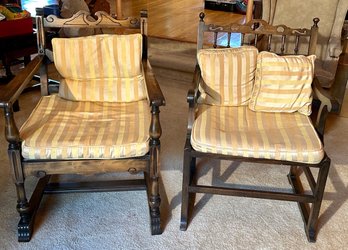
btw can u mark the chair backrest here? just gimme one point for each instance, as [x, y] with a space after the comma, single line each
[267, 78]
[101, 23]
[259, 34]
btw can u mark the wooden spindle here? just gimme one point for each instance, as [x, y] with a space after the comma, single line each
[282, 49]
[296, 44]
[228, 39]
[249, 11]
[242, 39]
[269, 42]
[119, 9]
[215, 39]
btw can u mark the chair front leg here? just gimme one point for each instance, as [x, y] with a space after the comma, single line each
[23, 208]
[153, 186]
[188, 170]
[311, 226]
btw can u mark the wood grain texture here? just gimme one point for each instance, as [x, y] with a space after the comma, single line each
[177, 19]
[87, 167]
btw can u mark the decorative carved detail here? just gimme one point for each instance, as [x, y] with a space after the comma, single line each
[25, 230]
[258, 26]
[154, 203]
[155, 126]
[85, 19]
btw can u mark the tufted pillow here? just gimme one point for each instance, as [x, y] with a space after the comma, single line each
[100, 68]
[283, 83]
[228, 75]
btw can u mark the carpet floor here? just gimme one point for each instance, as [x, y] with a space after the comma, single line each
[121, 221]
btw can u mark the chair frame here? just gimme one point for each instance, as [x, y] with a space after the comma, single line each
[257, 28]
[45, 169]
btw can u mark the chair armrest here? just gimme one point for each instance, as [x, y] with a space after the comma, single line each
[15, 87]
[193, 93]
[154, 92]
[324, 96]
[192, 96]
[327, 104]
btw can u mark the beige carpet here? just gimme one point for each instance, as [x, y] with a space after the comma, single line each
[120, 220]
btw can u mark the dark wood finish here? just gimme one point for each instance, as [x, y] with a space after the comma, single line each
[39, 168]
[255, 30]
[260, 34]
[105, 186]
[11, 91]
[44, 169]
[155, 93]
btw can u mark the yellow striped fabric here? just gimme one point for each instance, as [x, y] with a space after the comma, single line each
[238, 131]
[101, 67]
[283, 83]
[105, 90]
[61, 129]
[228, 75]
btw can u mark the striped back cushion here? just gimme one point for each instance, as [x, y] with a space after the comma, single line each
[100, 68]
[228, 75]
[283, 83]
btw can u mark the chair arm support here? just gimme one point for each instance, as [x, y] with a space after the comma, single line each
[15, 87]
[154, 92]
[192, 96]
[324, 96]
[327, 104]
[196, 77]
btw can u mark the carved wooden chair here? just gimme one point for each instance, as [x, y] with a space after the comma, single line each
[253, 106]
[104, 119]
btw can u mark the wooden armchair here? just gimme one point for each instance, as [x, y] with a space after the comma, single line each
[253, 106]
[104, 119]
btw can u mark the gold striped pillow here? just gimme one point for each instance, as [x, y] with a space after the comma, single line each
[228, 75]
[101, 64]
[283, 83]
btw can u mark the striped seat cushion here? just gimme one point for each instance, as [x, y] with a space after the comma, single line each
[96, 66]
[61, 129]
[238, 131]
[103, 90]
[283, 83]
[228, 75]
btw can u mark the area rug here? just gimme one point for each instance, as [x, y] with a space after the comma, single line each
[121, 220]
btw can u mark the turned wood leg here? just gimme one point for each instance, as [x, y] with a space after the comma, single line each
[152, 178]
[153, 193]
[311, 226]
[12, 136]
[23, 208]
